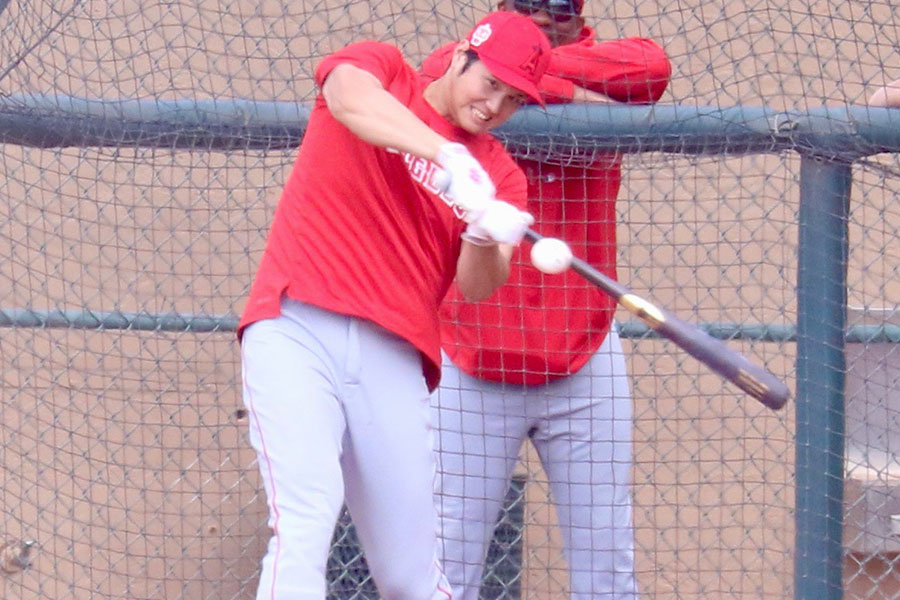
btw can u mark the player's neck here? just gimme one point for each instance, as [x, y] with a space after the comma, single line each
[437, 95]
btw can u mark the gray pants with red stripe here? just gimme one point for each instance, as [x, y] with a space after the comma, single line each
[339, 412]
[580, 427]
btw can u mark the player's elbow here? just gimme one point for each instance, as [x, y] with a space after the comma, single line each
[658, 71]
[660, 75]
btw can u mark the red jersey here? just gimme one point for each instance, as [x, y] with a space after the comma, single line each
[362, 230]
[542, 327]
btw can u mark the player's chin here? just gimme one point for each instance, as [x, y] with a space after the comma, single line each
[475, 123]
[475, 127]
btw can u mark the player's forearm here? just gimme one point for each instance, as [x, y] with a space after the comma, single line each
[358, 101]
[557, 90]
[481, 270]
[888, 95]
[586, 96]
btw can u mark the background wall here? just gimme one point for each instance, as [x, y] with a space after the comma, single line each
[124, 453]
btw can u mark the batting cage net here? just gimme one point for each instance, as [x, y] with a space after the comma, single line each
[144, 146]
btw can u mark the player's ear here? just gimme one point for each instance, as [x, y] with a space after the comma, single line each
[459, 56]
[502, 5]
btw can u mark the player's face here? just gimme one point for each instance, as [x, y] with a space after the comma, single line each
[558, 19]
[480, 101]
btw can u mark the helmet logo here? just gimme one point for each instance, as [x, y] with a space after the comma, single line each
[481, 34]
[531, 63]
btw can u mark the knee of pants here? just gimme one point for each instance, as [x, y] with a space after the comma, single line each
[302, 542]
[398, 588]
[411, 580]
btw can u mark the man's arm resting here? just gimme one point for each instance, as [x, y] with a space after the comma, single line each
[586, 96]
[634, 70]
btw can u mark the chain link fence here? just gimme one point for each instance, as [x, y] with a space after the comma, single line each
[124, 266]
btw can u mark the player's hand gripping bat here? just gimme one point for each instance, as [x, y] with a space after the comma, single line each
[731, 365]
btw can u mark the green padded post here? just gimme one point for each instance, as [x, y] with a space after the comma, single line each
[821, 308]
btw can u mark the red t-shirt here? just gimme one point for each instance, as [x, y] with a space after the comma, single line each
[361, 230]
[541, 327]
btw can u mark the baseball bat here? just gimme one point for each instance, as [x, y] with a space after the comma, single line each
[731, 365]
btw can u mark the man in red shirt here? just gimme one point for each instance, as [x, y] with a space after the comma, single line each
[393, 193]
[541, 358]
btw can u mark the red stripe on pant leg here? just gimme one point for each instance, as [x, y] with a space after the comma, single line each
[276, 515]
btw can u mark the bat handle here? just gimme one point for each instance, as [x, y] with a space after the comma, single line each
[532, 236]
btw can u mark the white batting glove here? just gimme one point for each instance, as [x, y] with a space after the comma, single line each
[500, 222]
[465, 181]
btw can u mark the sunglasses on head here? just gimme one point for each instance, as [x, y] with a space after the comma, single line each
[560, 11]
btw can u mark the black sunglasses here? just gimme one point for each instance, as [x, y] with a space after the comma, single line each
[561, 11]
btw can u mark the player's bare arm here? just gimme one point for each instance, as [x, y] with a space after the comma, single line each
[482, 269]
[586, 96]
[888, 95]
[357, 99]
[494, 229]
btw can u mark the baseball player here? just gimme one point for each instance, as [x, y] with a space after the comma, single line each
[541, 360]
[394, 191]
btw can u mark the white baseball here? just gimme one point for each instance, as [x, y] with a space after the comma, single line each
[551, 255]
